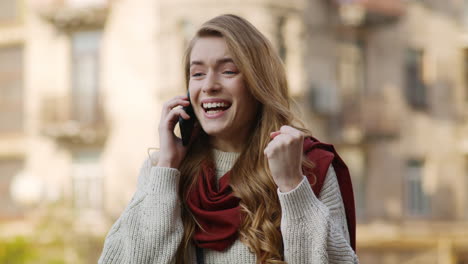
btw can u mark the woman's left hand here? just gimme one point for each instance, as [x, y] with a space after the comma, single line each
[284, 154]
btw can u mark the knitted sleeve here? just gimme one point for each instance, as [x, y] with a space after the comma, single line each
[314, 229]
[150, 228]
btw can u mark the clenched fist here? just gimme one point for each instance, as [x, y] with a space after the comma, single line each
[284, 154]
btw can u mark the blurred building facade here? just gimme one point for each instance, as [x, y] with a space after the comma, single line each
[82, 84]
[391, 93]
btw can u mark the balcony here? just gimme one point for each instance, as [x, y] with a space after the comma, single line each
[380, 117]
[71, 124]
[69, 15]
[368, 12]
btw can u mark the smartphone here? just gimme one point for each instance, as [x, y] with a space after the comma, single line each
[186, 126]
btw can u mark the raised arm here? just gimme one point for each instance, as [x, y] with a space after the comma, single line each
[314, 229]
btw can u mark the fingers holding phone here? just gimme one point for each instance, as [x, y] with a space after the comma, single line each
[171, 149]
[170, 110]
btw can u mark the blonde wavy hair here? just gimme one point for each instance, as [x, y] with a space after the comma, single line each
[251, 180]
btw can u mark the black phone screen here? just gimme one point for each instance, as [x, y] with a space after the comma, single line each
[186, 126]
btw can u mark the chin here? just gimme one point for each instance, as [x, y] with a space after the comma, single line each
[214, 131]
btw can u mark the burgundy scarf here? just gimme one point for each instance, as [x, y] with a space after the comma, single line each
[218, 212]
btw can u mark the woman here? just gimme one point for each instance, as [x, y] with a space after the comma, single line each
[252, 186]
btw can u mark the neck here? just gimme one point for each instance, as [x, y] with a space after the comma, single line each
[227, 145]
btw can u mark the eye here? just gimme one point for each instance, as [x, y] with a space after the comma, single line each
[229, 72]
[197, 74]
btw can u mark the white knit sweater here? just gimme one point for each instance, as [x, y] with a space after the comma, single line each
[150, 229]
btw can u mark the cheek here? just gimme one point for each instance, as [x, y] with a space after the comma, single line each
[194, 97]
[244, 95]
[239, 90]
[192, 87]
[194, 91]
[248, 104]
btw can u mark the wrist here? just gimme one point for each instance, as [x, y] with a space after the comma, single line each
[167, 164]
[290, 184]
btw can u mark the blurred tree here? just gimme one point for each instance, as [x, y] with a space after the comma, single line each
[17, 250]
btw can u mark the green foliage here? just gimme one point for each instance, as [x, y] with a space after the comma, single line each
[54, 241]
[17, 250]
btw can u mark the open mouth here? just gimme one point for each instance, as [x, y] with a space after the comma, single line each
[215, 107]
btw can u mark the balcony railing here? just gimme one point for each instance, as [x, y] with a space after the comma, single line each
[359, 12]
[367, 118]
[72, 14]
[64, 121]
[379, 118]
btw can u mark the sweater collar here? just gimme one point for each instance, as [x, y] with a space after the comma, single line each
[224, 161]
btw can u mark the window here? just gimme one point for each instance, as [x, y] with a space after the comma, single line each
[350, 78]
[324, 97]
[85, 71]
[280, 31]
[466, 70]
[466, 186]
[11, 89]
[87, 180]
[351, 70]
[465, 13]
[8, 10]
[342, 90]
[417, 200]
[9, 168]
[416, 90]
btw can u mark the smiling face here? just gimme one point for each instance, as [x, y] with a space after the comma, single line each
[221, 101]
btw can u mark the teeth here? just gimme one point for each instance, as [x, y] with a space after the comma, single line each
[213, 105]
[213, 111]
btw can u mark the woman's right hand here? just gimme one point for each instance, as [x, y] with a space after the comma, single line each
[172, 152]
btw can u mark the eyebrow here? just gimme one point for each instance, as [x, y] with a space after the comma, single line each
[218, 62]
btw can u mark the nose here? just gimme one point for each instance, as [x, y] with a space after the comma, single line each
[211, 84]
